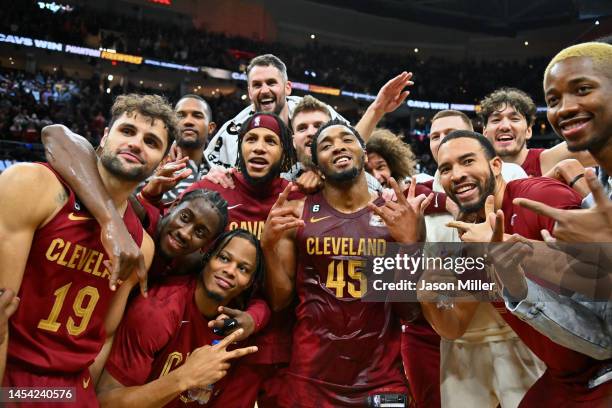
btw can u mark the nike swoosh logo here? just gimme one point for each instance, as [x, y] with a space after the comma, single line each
[184, 321]
[234, 206]
[313, 219]
[73, 217]
[86, 382]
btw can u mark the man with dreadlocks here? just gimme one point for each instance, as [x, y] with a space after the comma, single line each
[264, 151]
[245, 206]
[171, 362]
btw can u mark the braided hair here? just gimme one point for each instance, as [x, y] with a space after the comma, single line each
[214, 199]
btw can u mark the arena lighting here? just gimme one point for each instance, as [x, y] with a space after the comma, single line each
[596, 22]
[55, 7]
[324, 90]
[171, 65]
[110, 77]
[116, 56]
[215, 72]
[162, 2]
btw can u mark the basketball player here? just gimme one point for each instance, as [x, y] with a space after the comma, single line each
[49, 237]
[578, 111]
[269, 90]
[470, 172]
[344, 350]
[509, 115]
[307, 115]
[196, 124]
[265, 151]
[179, 231]
[171, 362]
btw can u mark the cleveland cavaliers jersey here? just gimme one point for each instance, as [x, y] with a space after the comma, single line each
[248, 207]
[532, 165]
[143, 352]
[343, 348]
[65, 296]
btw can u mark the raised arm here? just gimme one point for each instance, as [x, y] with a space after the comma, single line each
[389, 98]
[73, 157]
[205, 365]
[280, 253]
[117, 308]
[30, 195]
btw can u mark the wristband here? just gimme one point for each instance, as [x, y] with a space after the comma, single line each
[575, 180]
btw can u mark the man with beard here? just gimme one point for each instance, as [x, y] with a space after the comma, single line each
[470, 172]
[265, 151]
[508, 115]
[179, 232]
[483, 342]
[577, 86]
[195, 123]
[171, 363]
[336, 361]
[308, 116]
[269, 90]
[52, 255]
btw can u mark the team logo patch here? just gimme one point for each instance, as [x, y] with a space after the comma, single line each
[376, 221]
[315, 208]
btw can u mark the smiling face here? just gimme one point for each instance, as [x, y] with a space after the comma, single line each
[378, 167]
[267, 89]
[189, 226]
[466, 174]
[133, 147]
[578, 100]
[231, 270]
[305, 126]
[340, 156]
[508, 131]
[262, 152]
[194, 126]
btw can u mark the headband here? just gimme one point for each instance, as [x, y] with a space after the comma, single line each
[262, 120]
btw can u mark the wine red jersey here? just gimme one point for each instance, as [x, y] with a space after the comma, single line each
[344, 349]
[59, 325]
[531, 165]
[143, 352]
[563, 364]
[249, 207]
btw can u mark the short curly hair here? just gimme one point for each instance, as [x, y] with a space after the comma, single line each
[397, 154]
[151, 106]
[503, 97]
